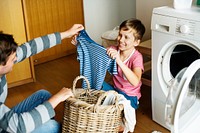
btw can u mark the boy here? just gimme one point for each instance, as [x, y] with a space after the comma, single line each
[129, 61]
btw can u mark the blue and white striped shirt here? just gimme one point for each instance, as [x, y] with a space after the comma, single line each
[94, 62]
[27, 121]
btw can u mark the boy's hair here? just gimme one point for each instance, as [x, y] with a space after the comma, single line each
[7, 47]
[136, 25]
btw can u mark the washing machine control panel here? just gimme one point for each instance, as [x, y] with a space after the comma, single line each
[188, 28]
[185, 29]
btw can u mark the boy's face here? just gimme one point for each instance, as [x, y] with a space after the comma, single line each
[4, 69]
[126, 40]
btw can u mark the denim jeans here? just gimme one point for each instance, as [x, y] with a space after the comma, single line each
[50, 126]
[33, 101]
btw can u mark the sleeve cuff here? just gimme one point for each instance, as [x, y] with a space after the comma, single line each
[50, 109]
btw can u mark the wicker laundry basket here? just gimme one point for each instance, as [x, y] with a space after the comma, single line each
[85, 114]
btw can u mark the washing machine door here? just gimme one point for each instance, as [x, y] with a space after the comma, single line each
[182, 110]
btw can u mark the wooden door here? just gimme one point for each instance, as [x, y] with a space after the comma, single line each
[48, 16]
[12, 22]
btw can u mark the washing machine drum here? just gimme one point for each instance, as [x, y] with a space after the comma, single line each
[182, 56]
[183, 104]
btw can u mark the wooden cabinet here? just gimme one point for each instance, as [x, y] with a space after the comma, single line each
[47, 16]
[27, 19]
[12, 22]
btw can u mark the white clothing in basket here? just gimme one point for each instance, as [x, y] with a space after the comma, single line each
[129, 119]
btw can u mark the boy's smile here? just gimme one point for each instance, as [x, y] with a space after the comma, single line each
[126, 40]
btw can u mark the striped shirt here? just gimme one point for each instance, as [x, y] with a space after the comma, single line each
[28, 121]
[94, 62]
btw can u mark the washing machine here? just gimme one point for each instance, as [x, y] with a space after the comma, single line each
[175, 65]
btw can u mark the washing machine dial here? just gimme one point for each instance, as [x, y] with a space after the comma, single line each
[184, 29]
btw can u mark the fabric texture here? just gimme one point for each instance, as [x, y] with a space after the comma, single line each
[129, 119]
[27, 121]
[33, 101]
[50, 126]
[94, 62]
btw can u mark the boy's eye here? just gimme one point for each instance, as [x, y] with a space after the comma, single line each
[126, 37]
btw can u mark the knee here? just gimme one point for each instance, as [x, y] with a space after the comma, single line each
[44, 93]
[54, 126]
[50, 126]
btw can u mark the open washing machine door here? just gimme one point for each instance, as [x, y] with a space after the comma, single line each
[182, 110]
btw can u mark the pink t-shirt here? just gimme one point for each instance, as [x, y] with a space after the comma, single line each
[134, 60]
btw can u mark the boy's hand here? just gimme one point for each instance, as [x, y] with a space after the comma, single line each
[113, 53]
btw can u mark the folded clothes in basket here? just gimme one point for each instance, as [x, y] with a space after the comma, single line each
[129, 120]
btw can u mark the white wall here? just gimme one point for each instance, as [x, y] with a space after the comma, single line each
[103, 15]
[127, 9]
[144, 10]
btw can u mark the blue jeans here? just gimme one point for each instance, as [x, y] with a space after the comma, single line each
[133, 99]
[33, 101]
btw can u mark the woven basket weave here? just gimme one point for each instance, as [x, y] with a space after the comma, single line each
[85, 114]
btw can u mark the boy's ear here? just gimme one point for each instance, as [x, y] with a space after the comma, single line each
[137, 42]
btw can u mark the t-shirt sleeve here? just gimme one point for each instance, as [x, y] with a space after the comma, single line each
[138, 61]
[37, 45]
